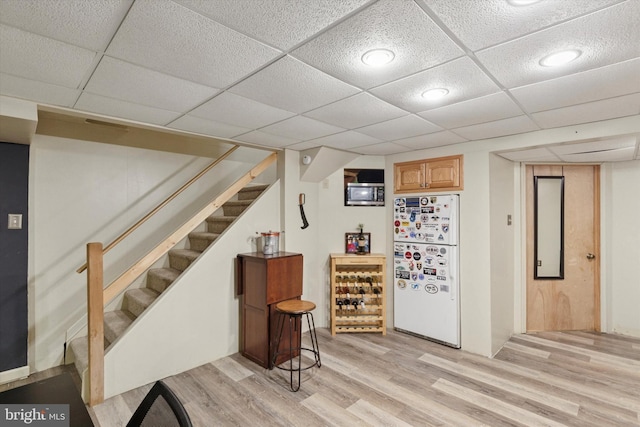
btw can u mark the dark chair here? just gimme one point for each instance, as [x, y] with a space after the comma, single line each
[159, 408]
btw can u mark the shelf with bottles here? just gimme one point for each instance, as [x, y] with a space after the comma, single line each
[358, 302]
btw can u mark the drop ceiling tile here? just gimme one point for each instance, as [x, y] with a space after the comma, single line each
[170, 38]
[602, 83]
[382, 149]
[45, 93]
[461, 77]
[479, 110]
[605, 109]
[39, 58]
[266, 139]
[531, 155]
[344, 140]
[437, 139]
[293, 86]
[207, 127]
[280, 23]
[301, 128]
[479, 24]
[511, 126]
[605, 37]
[402, 127]
[128, 82]
[617, 155]
[88, 24]
[239, 111]
[356, 111]
[400, 26]
[123, 109]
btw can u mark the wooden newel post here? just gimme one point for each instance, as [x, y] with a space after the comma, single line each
[95, 323]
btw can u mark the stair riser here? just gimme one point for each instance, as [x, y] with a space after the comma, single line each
[216, 226]
[158, 284]
[248, 195]
[179, 262]
[199, 244]
[233, 210]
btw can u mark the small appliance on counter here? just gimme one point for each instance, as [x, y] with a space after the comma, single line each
[270, 242]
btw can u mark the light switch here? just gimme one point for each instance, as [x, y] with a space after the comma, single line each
[15, 222]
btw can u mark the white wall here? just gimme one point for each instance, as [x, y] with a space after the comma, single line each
[504, 259]
[479, 335]
[328, 220]
[83, 191]
[621, 244]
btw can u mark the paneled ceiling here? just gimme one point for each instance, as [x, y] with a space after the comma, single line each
[282, 73]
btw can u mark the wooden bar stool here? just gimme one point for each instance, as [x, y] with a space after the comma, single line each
[293, 310]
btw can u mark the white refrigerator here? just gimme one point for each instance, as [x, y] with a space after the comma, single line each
[426, 291]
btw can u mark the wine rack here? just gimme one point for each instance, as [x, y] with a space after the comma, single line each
[358, 297]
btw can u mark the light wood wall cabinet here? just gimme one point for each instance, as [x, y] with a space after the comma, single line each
[439, 174]
[358, 301]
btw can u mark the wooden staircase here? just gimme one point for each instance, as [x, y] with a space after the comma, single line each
[136, 301]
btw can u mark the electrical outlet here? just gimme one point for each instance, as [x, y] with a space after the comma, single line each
[15, 222]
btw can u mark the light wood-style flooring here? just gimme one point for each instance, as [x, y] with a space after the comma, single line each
[544, 379]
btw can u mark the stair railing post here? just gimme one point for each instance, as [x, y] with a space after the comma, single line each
[95, 315]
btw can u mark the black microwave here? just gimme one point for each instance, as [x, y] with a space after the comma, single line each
[364, 194]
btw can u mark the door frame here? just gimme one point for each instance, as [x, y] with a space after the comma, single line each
[524, 258]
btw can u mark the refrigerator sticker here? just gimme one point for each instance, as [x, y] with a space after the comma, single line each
[441, 278]
[424, 201]
[424, 218]
[444, 288]
[400, 202]
[441, 237]
[427, 210]
[443, 251]
[430, 271]
[397, 223]
[434, 200]
[418, 225]
[402, 274]
[445, 219]
[412, 217]
[419, 265]
[429, 261]
[414, 276]
[432, 250]
[442, 261]
[415, 286]
[432, 289]
[445, 228]
[407, 255]
[402, 284]
[416, 256]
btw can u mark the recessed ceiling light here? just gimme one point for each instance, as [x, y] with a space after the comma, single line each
[434, 94]
[378, 57]
[522, 2]
[560, 58]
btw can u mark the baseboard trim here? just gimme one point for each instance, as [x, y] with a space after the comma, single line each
[14, 374]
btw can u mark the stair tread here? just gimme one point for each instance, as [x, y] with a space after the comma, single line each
[204, 235]
[254, 188]
[221, 218]
[116, 322]
[165, 273]
[144, 295]
[245, 202]
[187, 253]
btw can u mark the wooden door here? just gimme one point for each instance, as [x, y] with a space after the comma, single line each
[409, 176]
[571, 303]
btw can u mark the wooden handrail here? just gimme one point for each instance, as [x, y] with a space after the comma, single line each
[161, 205]
[126, 278]
[98, 296]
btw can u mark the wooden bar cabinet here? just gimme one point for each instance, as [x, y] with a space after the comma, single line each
[264, 281]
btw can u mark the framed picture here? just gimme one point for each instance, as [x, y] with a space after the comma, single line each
[351, 243]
